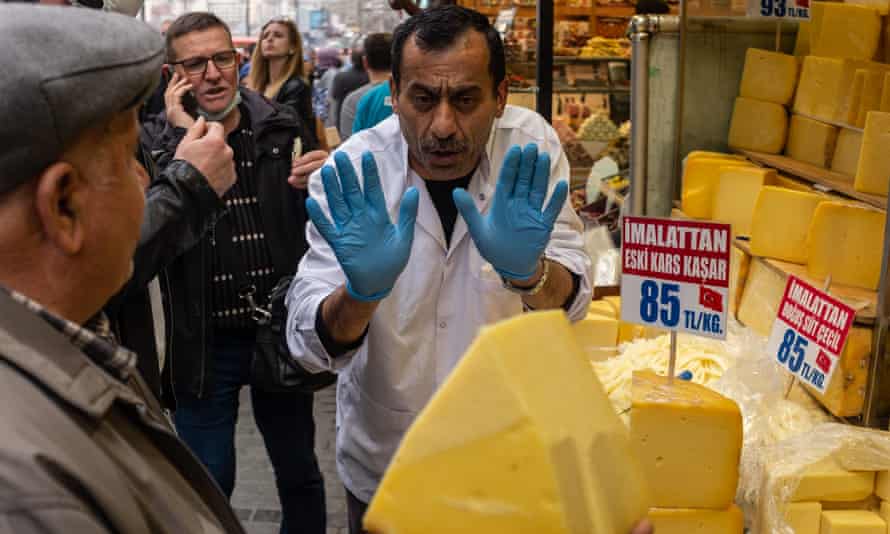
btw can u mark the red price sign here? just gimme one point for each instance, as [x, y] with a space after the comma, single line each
[675, 274]
[810, 332]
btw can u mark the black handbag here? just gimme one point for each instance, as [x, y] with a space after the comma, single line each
[272, 368]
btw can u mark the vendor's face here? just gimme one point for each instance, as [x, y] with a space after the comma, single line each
[446, 105]
[216, 87]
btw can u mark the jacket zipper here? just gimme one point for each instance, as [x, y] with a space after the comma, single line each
[168, 333]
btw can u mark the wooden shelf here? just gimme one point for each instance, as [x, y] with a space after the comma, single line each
[835, 181]
[865, 302]
[614, 11]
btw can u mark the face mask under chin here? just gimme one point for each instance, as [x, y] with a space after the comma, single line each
[219, 116]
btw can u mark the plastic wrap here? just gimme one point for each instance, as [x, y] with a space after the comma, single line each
[605, 257]
[782, 465]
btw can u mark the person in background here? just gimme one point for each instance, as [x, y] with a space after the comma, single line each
[84, 450]
[373, 108]
[378, 62]
[262, 237]
[278, 73]
[327, 64]
[347, 81]
[246, 56]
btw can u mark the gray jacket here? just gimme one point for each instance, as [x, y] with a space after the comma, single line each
[82, 452]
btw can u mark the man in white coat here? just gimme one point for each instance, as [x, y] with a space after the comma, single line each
[395, 285]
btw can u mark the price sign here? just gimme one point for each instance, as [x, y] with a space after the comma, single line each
[779, 9]
[675, 275]
[809, 334]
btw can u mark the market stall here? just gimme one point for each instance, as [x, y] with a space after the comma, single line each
[739, 326]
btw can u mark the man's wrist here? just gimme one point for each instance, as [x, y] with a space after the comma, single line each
[528, 283]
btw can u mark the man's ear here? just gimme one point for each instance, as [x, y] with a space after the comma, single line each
[394, 96]
[503, 88]
[60, 200]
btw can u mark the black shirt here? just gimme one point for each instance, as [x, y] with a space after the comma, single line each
[441, 194]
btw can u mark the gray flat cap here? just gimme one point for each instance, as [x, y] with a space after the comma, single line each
[63, 70]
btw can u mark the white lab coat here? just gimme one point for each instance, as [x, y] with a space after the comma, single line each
[421, 330]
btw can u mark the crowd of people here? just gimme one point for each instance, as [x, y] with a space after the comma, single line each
[151, 192]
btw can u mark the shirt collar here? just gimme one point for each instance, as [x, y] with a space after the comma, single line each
[94, 339]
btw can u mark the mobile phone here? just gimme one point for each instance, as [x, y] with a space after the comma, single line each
[166, 73]
[190, 104]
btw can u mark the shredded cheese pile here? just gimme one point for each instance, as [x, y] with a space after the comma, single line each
[706, 359]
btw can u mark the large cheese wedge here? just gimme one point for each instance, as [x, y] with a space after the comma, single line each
[758, 126]
[848, 31]
[828, 481]
[699, 182]
[689, 521]
[780, 223]
[520, 438]
[598, 336]
[852, 522]
[846, 241]
[739, 262]
[870, 100]
[763, 290]
[689, 439]
[846, 152]
[769, 76]
[811, 141]
[873, 171]
[736, 194]
[804, 517]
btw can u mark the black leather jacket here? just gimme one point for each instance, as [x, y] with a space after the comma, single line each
[180, 206]
[187, 281]
[296, 95]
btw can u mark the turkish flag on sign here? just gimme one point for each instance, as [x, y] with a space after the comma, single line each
[710, 299]
[824, 362]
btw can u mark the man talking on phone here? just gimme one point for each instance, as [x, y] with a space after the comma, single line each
[260, 240]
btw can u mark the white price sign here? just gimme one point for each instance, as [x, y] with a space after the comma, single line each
[809, 334]
[779, 9]
[675, 275]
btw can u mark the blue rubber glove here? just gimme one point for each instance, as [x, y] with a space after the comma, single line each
[371, 250]
[513, 235]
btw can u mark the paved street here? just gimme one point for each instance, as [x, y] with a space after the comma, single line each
[255, 498]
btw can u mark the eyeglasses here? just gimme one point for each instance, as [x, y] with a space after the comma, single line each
[197, 66]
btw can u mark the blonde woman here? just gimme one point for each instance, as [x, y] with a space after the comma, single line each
[277, 71]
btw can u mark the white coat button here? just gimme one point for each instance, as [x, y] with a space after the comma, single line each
[443, 324]
[482, 196]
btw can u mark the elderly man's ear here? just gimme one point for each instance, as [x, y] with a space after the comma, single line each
[60, 199]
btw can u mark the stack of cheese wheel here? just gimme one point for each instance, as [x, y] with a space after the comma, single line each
[689, 440]
[759, 117]
[842, 106]
[787, 221]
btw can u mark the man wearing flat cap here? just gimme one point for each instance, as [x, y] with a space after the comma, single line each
[82, 450]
